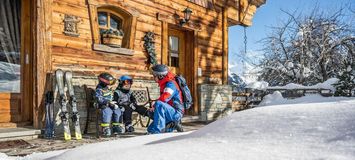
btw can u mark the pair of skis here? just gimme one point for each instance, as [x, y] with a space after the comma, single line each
[64, 115]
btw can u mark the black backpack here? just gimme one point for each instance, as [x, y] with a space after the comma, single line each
[186, 94]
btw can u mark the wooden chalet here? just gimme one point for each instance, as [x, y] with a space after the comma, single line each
[89, 37]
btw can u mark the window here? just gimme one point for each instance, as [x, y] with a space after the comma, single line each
[113, 20]
[173, 51]
[108, 20]
[10, 46]
[110, 28]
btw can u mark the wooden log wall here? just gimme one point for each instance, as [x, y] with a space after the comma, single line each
[77, 54]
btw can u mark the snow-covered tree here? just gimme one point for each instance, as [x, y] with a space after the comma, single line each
[346, 84]
[307, 49]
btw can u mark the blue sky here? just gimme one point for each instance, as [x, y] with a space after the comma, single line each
[270, 14]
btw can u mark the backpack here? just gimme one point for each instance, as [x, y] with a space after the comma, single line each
[186, 94]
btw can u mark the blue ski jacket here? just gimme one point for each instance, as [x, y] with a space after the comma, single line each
[103, 95]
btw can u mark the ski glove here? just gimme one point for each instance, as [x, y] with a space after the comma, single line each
[122, 109]
[125, 103]
[113, 105]
[132, 106]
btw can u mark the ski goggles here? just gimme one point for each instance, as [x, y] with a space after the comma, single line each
[108, 82]
[128, 81]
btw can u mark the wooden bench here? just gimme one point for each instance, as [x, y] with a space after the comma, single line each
[94, 113]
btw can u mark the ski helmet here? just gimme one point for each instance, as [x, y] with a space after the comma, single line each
[160, 70]
[125, 80]
[106, 78]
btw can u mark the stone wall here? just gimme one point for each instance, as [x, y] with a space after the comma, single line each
[215, 101]
[91, 82]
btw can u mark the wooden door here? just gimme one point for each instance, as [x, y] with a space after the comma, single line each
[15, 62]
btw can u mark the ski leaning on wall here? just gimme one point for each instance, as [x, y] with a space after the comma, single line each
[63, 101]
[75, 114]
[64, 115]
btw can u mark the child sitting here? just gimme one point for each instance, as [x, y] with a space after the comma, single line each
[123, 97]
[110, 110]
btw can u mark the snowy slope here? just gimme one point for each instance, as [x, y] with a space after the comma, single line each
[307, 128]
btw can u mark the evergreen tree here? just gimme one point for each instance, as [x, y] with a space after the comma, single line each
[346, 84]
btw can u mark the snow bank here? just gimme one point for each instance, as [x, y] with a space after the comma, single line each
[309, 128]
[273, 99]
[325, 85]
[277, 99]
[3, 156]
[38, 156]
[261, 85]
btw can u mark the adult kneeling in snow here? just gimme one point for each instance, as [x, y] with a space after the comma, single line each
[168, 109]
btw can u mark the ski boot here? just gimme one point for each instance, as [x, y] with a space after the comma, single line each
[129, 128]
[174, 125]
[116, 129]
[106, 131]
[178, 127]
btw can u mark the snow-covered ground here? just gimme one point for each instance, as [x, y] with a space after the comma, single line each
[305, 128]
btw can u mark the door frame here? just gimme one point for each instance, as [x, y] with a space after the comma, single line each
[26, 60]
[41, 60]
[190, 59]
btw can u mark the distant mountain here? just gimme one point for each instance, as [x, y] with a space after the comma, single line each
[236, 81]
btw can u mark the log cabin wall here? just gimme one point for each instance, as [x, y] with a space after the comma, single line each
[77, 54]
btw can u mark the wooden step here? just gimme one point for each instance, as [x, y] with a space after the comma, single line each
[14, 125]
[18, 133]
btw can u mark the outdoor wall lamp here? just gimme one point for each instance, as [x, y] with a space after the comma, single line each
[187, 15]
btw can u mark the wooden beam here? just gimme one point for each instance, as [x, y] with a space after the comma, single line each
[105, 48]
[41, 24]
[195, 76]
[26, 65]
[48, 35]
[225, 47]
[93, 22]
[191, 25]
[164, 42]
[132, 33]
